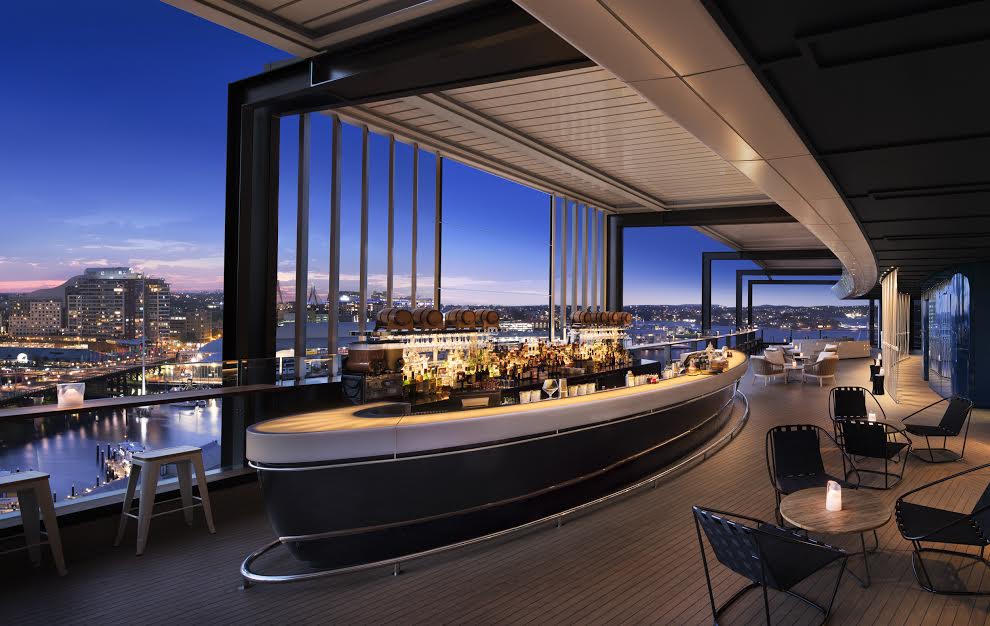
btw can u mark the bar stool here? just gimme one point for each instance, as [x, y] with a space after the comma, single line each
[33, 495]
[146, 466]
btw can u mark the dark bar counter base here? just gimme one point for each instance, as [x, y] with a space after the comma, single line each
[391, 507]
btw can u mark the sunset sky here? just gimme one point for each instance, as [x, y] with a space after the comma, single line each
[114, 130]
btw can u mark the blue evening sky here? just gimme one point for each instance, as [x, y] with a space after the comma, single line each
[113, 133]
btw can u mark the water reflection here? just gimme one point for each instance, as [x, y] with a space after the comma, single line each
[68, 447]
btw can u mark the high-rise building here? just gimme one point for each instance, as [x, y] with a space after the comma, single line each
[118, 302]
[35, 318]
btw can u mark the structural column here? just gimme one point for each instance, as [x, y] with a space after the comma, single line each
[706, 292]
[415, 222]
[563, 267]
[873, 322]
[613, 300]
[575, 246]
[438, 232]
[302, 246]
[333, 293]
[552, 330]
[594, 260]
[389, 264]
[363, 272]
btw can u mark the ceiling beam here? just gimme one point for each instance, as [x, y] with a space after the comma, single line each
[449, 109]
[719, 216]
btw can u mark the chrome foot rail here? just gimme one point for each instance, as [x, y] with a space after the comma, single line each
[250, 578]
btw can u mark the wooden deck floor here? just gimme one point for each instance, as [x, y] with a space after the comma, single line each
[635, 561]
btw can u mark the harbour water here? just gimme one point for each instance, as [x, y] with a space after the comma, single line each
[67, 448]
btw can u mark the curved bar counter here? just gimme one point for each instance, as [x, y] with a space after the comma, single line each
[361, 484]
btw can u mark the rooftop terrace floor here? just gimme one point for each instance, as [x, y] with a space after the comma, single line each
[635, 561]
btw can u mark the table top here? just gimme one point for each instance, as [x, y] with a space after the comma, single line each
[794, 366]
[861, 511]
[892, 423]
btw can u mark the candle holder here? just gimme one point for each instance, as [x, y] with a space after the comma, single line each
[833, 496]
[70, 395]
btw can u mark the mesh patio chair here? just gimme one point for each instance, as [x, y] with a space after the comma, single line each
[795, 462]
[919, 523]
[863, 439]
[956, 416]
[849, 403]
[769, 556]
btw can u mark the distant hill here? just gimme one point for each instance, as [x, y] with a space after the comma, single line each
[49, 293]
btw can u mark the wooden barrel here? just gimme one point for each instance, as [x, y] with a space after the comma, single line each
[627, 318]
[395, 318]
[427, 318]
[460, 318]
[486, 318]
[580, 317]
[601, 318]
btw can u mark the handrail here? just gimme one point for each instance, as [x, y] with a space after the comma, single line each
[48, 410]
[700, 456]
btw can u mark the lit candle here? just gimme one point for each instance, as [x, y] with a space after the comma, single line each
[71, 397]
[833, 496]
[872, 416]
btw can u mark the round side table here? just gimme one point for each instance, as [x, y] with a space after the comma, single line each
[861, 512]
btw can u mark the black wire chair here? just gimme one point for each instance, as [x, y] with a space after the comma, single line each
[769, 556]
[794, 461]
[849, 403]
[957, 415]
[919, 523]
[863, 439]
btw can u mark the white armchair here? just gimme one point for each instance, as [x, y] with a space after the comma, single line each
[763, 368]
[826, 367]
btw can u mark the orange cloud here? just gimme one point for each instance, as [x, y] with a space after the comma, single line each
[21, 286]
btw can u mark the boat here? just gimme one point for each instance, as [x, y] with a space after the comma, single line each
[188, 404]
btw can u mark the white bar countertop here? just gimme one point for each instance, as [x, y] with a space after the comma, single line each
[340, 433]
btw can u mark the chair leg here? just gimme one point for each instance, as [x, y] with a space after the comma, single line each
[132, 482]
[44, 497]
[184, 470]
[149, 484]
[766, 604]
[27, 500]
[204, 494]
[928, 585]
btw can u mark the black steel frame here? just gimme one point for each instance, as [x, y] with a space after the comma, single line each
[475, 44]
[769, 274]
[917, 560]
[950, 455]
[749, 294]
[718, 610]
[890, 434]
[747, 255]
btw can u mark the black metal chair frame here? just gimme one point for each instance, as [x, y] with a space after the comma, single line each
[951, 456]
[890, 435]
[831, 407]
[772, 466]
[793, 538]
[932, 537]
